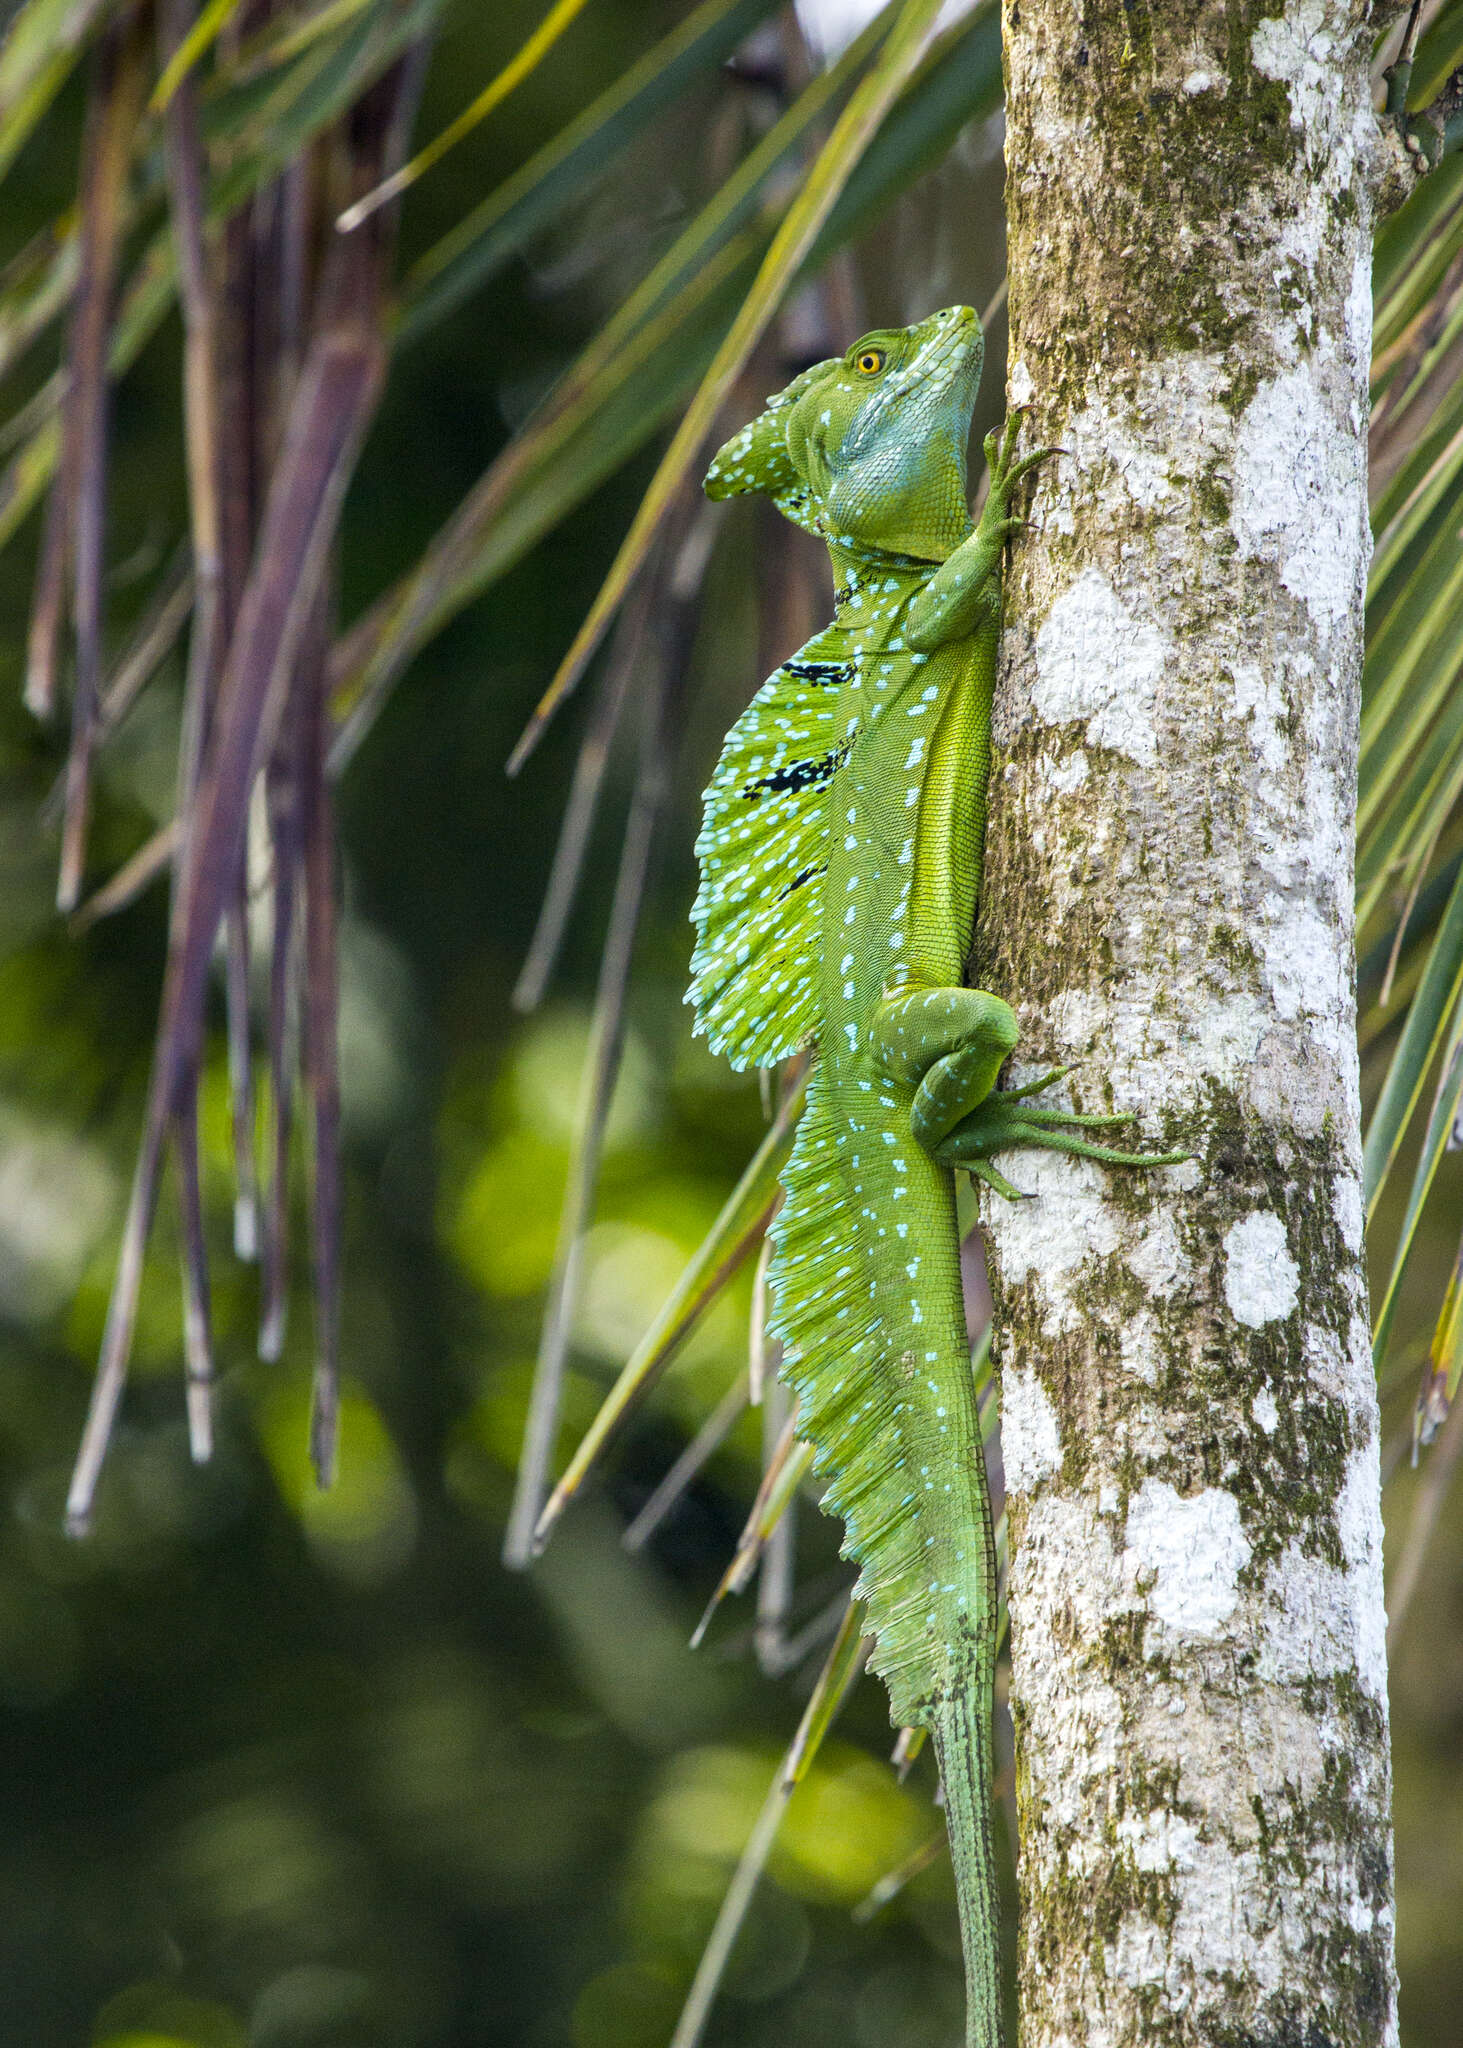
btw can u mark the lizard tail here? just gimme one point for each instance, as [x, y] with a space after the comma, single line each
[962, 1731]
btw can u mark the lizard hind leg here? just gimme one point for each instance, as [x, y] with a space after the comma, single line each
[949, 1045]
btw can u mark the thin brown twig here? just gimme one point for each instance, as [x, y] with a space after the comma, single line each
[322, 1077]
[677, 609]
[151, 860]
[778, 1560]
[626, 653]
[121, 76]
[155, 637]
[606, 1041]
[197, 1316]
[703, 1446]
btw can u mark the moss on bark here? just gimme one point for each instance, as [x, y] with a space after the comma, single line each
[1196, 1601]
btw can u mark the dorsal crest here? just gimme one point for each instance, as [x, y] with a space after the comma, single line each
[763, 850]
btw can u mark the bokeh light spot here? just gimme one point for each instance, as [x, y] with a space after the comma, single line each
[364, 1525]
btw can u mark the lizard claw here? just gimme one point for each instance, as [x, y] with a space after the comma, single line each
[1037, 1087]
[981, 1169]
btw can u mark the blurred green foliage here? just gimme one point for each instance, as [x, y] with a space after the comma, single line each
[297, 1770]
[301, 1770]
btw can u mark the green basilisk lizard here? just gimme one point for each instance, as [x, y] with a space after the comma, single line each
[840, 874]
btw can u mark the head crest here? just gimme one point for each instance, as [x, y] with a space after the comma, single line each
[868, 449]
[756, 458]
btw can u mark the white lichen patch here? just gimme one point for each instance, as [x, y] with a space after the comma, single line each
[1140, 1953]
[1264, 1410]
[1307, 973]
[1259, 699]
[1055, 1233]
[1359, 1525]
[1297, 48]
[1067, 774]
[1141, 446]
[1138, 1347]
[1031, 1440]
[1296, 503]
[1098, 662]
[1347, 1209]
[1261, 1279]
[1314, 1632]
[1187, 1554]
[1159, 1260]
[1158, 1841]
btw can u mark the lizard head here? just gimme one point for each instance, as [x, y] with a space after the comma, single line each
[870, 446]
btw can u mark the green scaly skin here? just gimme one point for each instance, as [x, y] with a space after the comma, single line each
[841, 864]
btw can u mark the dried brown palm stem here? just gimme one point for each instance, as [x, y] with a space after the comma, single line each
[151, 859]
[337, 390]
[784, 1459]
[153, 640]
[280, 253]
[320, 1052]
[283, 801]
[198, 296]
[760, 1361]
[198, 1353]
[619, 670]
[890, 1886]
[844, 1663]
[778, 1564]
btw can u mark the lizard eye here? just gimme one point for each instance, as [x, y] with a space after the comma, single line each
[870, 361]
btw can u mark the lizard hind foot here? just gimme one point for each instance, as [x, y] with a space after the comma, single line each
[1004, 1122]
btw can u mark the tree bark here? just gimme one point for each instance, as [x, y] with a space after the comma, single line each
[1189, 1411]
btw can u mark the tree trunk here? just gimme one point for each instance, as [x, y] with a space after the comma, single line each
[1190, 1422]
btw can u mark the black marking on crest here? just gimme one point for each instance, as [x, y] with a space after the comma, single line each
[807, 875]
[798, 775]
[821, 673]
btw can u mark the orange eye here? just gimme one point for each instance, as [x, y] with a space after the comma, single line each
[870, 362]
